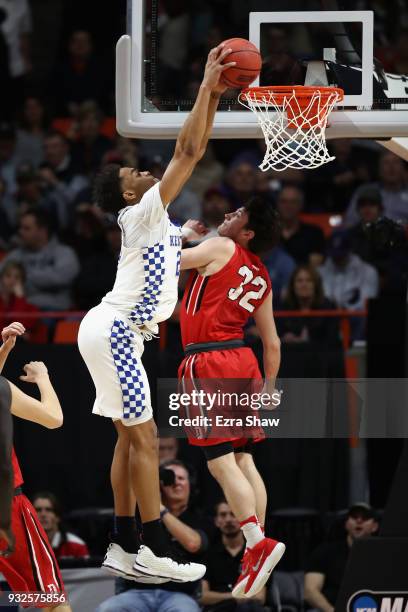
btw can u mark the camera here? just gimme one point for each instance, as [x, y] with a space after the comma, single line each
[167, 477]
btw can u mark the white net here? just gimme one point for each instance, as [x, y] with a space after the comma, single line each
[293, 123]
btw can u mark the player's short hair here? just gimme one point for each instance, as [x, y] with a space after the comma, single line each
[264, 220]
[108, 189]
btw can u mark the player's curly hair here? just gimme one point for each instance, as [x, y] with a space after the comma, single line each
[107, 189]
[264, 220]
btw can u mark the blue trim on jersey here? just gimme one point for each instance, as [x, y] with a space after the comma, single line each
[127, 366]
[153, 263]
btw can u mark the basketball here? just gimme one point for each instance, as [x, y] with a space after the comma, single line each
[248, 60]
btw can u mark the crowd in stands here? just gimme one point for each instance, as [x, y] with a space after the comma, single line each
[54, 139]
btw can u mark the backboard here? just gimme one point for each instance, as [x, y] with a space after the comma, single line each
[160, 63]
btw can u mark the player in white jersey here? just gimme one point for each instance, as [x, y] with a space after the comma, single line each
[111, 335]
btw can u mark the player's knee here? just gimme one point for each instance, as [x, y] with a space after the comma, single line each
[220, 466]
[144, 437]
[244, 460]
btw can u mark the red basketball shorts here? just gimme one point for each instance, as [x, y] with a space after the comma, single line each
[222, 374]
[32, 567]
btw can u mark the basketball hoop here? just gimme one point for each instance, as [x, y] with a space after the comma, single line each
[293, 120]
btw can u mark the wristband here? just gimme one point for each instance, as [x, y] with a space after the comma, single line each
[164, 512]
[187, 232]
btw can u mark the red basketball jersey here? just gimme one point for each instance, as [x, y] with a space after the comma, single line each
[217, 307]
[18, 477]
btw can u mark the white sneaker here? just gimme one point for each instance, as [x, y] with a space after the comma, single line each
[120, 563]
[165, 567]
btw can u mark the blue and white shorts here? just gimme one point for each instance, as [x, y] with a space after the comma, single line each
[112, 352]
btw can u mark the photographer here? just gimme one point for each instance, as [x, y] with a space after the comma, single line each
[183, 525]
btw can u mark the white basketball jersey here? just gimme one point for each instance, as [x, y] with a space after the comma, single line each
[145, 289]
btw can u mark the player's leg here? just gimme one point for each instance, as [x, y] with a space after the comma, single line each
[144, 444]
[154, 558]
[262, 553]
[123, 495]
[125, 529]
[121, 554]
[236, 487]
[247, 466]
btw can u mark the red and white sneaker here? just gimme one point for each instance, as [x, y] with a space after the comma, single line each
[239, 587]
[258, 564]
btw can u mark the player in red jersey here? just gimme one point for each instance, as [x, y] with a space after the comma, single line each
[29, 564]
[229, 285]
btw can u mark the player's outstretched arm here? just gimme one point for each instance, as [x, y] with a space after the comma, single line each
[47, 411]
[217, 250]
[265, 324]
[193, 137]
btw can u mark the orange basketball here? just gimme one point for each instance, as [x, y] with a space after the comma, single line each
[248, 63]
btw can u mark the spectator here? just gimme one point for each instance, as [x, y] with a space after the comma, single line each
[31, 131]
[214, 208]
[168, 449]
[240, 183]
[186, 205]
[5, 227]
[16, 29]
[280, 267]
[394, 190]
[389, 254]
[208, 172]
[347, 280]
[81, 77]
[369, 208]
[8, 164]
[223, 562]
[32, 194]
[60, 175]
[305, 293]
[99, 265]
[325, 569]
[50, 266]
[264, 185]
[91, 146]
[184, 527]
[303, 241]
[64, 543]
[125, 152]
[12, 297]
[331, 186]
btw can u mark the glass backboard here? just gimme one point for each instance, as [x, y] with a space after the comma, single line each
[160, 62]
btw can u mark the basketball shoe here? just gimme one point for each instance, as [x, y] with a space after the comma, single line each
[120, 563]
[257, 565]
[147, 563]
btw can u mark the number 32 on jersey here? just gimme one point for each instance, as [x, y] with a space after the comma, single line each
[246, 297]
